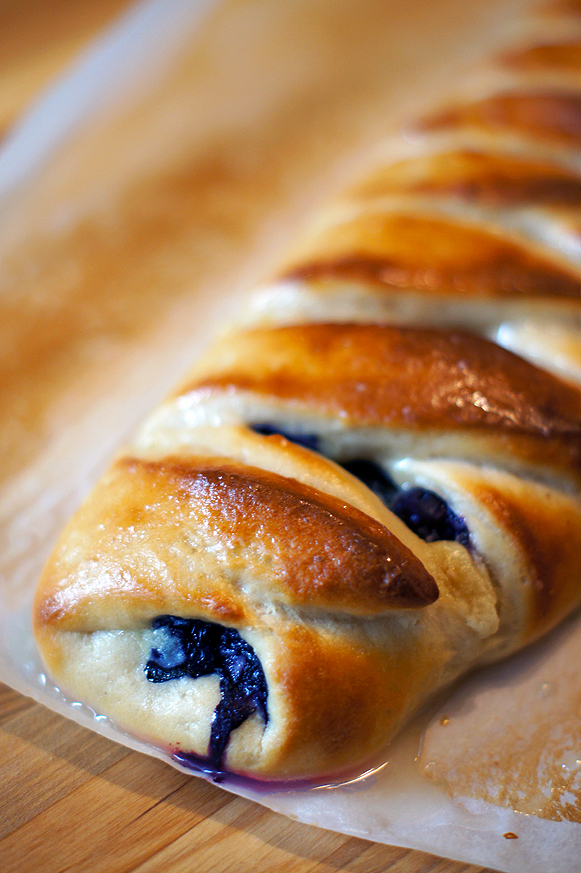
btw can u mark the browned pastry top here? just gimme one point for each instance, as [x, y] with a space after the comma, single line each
[386, 375]
[568, 7]
[312, 548]
[551, 117]
[558, 56]
[435, 255]
[474, 176]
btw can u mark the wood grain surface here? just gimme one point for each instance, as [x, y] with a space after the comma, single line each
[72, 800]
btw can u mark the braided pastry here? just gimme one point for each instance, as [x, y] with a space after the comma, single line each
[372, 484]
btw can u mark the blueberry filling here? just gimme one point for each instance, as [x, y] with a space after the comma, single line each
[422, 511]
[194, 648]
[430, 517]
[426, 514]
[375, 477]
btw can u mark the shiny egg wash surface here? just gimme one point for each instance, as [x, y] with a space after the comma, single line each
[423, 511]
[194, 648]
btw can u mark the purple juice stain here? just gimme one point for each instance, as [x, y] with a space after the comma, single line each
[197, 648]
[423, 511]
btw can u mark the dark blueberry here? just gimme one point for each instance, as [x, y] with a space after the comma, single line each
[430, 517]
[196, 640]
[197, 648]
[244, 691]
[372, 475]
[422, 511]
[308, 440]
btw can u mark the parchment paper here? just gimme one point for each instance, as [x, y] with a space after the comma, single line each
[134, 220]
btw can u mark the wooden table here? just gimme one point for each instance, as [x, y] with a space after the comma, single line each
[72, 800]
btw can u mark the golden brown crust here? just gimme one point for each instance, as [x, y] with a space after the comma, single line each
[357, 711]
[561, 56]
[236, 545]
[412, 378]
[403, 252]
[334, 698]
[313, 550]
[569, 7]
[477, 177]
[551, 117]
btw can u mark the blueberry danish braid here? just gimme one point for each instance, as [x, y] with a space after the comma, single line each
[374, 486]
